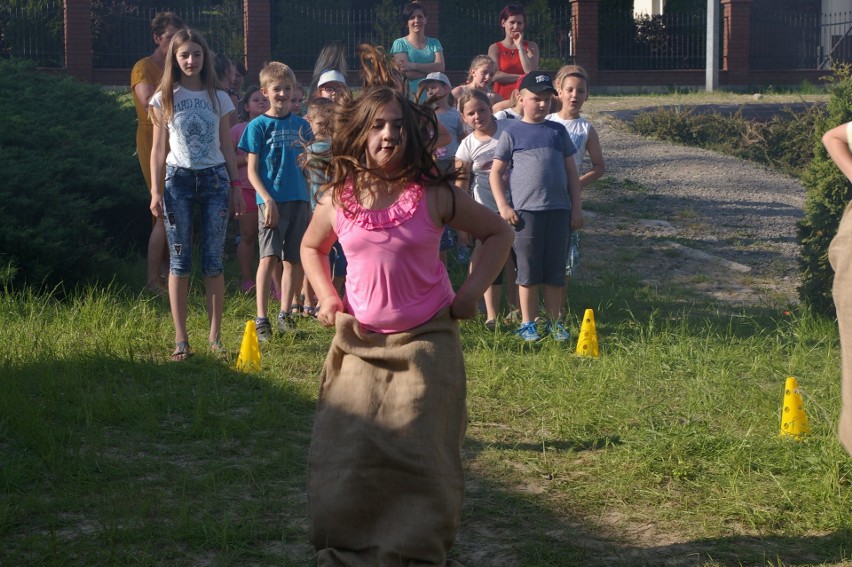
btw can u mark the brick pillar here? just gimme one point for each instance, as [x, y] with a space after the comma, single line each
[257, 26]
[433, 17]
[735, 56]
[78, 39]
[584, 35]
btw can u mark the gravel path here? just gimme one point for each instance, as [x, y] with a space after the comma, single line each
[673, 215]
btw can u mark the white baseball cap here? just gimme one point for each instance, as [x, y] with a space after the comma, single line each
[331, 76]
[440, 77]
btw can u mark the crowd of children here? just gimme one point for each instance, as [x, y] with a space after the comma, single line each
[516, 157]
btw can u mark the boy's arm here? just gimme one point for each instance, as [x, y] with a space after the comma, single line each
[316, 244]
[270, 219]
[498, 188]
[593, 147]
[574, 193]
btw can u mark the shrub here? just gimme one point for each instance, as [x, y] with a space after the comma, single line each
[73, 196]
[778, 143]
[828, 192]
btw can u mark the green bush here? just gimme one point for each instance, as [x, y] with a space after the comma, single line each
[73, 197]
[828, 192]
[778, 143]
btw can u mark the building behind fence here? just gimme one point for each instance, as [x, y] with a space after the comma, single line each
[100, 41]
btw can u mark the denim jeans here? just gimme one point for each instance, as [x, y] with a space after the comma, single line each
[209, 189]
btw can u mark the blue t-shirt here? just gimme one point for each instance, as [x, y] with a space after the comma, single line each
[277, 142]
[452, 121]
[316, 154]
[538, 180]
[425, 55]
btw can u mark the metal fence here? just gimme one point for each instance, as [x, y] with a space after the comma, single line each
[34, 32]
[794, 40]
[299, 33]
[667, 41]
[121, 33]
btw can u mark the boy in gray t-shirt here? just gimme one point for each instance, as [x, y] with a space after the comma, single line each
[545, 203]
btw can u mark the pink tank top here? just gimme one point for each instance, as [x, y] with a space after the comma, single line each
[395, 279]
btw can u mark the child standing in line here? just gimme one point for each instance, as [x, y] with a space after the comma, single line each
[474, 159]
[320, 116]
[297, 99]
[191, 113]
[273, 142]
[573, 86]
[385, 481]
[437, 88]
[545, 193]
[253, 105]
[480, 77]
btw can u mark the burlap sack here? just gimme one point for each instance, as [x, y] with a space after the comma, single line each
[840, 257]
[385, 483]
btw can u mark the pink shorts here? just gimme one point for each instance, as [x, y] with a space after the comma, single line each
[250, 197]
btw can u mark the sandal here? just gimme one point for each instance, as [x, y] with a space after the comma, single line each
[295, 309]
[182, 351]
[491, 324]
[309, 311]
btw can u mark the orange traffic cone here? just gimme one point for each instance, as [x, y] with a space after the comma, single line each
[249, 359]
[587, 341]
[794, 420]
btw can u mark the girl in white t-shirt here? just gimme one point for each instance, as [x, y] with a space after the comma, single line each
[191, 113]
[474, 158]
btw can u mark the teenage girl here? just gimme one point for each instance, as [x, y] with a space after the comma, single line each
[513, 55]
[480, 77]
[254, 104]
[385, 477]
[473, 159]
[192, 114]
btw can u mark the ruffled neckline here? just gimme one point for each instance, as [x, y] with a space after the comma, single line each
[376, 219]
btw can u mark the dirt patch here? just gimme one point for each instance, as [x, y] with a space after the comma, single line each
[714, 226]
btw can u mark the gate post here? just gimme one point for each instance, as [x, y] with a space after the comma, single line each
[735, 57]
[257, 29]
[78, 39]
[584, 35]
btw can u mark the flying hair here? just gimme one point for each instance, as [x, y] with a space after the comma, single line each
[383, 85]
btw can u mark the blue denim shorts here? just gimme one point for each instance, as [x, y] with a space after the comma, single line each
[208, 189]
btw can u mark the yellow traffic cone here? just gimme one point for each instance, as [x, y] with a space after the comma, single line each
[794, 420]
[587, 342]
[249, 359]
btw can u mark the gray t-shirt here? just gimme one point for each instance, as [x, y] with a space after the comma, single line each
[536, 155]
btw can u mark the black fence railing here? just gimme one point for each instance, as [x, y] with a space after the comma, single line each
[121, 32]
[298, 33]
[466, 33]
[667, 41]
[35, 32]
[784, 40]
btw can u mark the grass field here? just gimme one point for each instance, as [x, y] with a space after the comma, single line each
[665, 450]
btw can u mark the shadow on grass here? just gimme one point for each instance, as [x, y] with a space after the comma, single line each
[107, 461]
[507, 526]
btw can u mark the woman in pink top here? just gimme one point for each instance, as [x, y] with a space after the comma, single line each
[385, 481]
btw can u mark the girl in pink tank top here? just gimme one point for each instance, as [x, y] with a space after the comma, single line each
[385, 481]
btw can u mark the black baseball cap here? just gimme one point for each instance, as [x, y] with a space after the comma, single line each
[537, 82]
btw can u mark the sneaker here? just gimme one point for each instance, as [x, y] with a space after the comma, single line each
[286, 322]
[264, 329]
[528, 332]
[558, 332]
